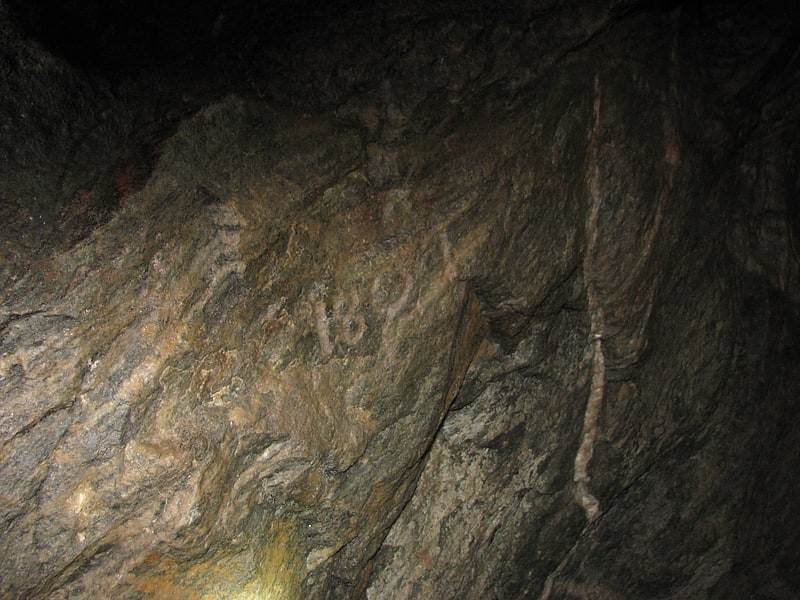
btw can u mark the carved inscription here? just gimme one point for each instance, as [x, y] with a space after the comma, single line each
[342, 318]
[365, 313]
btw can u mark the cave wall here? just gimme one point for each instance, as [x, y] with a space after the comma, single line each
[494, 303]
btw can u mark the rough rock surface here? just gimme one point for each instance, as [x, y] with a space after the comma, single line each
[406, 302]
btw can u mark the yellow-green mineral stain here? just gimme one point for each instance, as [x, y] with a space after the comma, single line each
[279, 571]
[271, 569]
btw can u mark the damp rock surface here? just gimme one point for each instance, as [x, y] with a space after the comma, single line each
[401, 301]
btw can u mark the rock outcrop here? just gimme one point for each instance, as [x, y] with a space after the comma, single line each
[487, 304]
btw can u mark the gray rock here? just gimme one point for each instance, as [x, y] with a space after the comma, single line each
[516, 320]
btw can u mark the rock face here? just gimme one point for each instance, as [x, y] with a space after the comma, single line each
[487, 304]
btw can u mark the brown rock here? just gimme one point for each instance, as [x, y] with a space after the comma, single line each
[481, 312]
